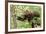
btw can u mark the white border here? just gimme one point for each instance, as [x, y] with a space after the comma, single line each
[10, 30]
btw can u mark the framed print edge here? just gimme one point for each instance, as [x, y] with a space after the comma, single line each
[6, 16]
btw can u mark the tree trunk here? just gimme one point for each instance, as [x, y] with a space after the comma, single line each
[14, 20]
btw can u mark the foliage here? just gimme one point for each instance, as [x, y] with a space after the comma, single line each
[18, 10]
